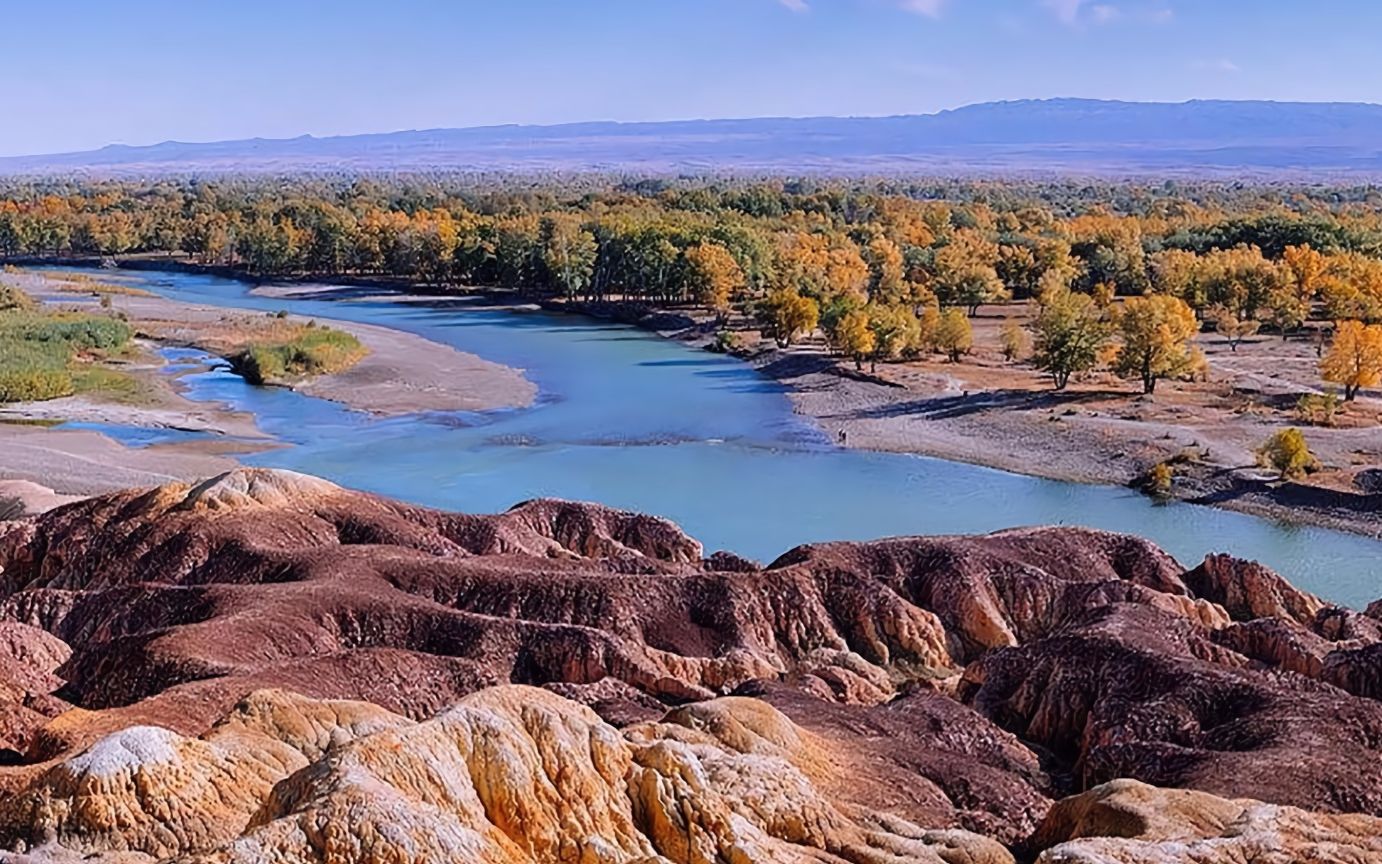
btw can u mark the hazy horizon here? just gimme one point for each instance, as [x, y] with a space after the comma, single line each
[83, 76]
[676, 120]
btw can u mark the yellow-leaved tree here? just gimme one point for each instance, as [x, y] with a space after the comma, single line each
[953, 336]
[1288, 305]
[786, 314]
[1155, 333]
[1287, 453]
[1354, 360]
[965, 272]
[713, 276]
[854, 338]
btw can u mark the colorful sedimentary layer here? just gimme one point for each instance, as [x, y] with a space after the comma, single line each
[267, 667]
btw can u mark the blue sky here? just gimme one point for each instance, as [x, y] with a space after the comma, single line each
[77, 75]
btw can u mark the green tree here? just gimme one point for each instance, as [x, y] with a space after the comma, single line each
[1069, 333]
[568, 253]
[896, 331]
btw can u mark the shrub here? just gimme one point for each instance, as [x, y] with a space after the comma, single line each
[37, 351]
[33, 385]
[73, 331]
[1318, 409]
[314, 351]
[1288, 454]
[13, 299]
[1012, 340]
[110, 384]
[726, 342]
[1159, 480]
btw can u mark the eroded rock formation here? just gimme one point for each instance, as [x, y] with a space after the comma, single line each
[266, 666]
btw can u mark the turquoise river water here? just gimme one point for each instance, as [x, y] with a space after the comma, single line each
[631, 420]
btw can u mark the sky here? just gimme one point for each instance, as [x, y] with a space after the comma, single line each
[79, 75]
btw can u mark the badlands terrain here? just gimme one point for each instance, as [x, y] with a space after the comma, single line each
[267, 667]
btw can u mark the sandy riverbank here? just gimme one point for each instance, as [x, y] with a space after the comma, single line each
[82, 462]
[402, 374]
[1083, 436]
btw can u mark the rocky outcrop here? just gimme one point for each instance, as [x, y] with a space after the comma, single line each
[266, 666]
[1126, 822]
[510, 774]
[1136, 693]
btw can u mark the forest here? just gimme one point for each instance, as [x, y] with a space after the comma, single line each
[884, 268]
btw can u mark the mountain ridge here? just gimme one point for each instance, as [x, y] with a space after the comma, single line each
[1064, 135]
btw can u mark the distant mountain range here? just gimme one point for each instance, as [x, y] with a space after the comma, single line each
[1080, 136]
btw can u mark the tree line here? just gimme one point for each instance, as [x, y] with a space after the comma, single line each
[884, 269]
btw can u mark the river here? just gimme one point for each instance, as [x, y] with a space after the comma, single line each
[632, 420]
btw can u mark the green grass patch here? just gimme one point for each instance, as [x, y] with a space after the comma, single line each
[45, 355]
[110, 385]
[313, 351]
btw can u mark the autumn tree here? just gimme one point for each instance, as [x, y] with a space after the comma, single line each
[1354, 360]
[953, 336]
[854, 338]
[965, 272]
[821, 265]
[1352, 288]
[1019, 269]
[432, 238]
[785, 314]
[1012, 340]
[896, 331]
[1069, 332]
[1240, 279]
[713, 276]
[886, 271]
[1111, 250]
[1287, 453]
[1288, 304]
[1228, 325]
[1177, 272]
[1155, 333]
